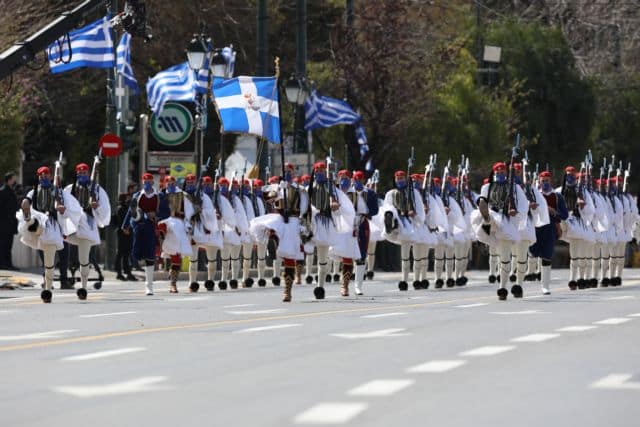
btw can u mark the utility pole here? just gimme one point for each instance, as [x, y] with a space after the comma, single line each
[261, 70]
[300, 144]
[111, 164]
[349, 130]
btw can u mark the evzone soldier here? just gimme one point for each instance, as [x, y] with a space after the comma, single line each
[466, 200]
[599, 227]
[226, 220]
[259, 209]
[499, 221]
[402, 206]
[284, 224]
[47, 215]
[233, 236]
[332, 214]
[365, 204]
[96, 213]
[532, 219]
[202, 228]
[441, 229]
[376, 225]
[630, 208]
[425, 239]
[456, 231]
[547, 234]
[176, 239]
[141, 219]
[307, 234]
[271, 197]
[618, 237]
[345, 248]
[576, 228]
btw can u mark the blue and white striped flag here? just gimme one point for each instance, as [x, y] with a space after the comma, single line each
[324, 112]
[249, 105]
[176, 83]
[124, 63]
[91, 46]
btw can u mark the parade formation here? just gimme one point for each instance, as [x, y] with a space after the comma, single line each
[336, 217]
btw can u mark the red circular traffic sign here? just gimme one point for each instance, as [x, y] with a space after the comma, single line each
[111, 145]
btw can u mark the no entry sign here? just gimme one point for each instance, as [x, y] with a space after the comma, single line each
[111, 145]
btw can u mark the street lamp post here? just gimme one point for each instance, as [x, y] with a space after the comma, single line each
[201, 56]
[297, 93]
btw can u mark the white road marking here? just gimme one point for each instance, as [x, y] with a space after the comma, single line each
[137, 385]
[375, 316]
[241, 312]
[634, 315]
[621, 297]
[103, 354]
[579, 328]
[239, 305]
[535, 338]
[186, 299]
[375, 334]
[6, 311]
[120, 313]
[489, 350]
[380, 388]
[436, 366]
[37, 335]
[267, 328]
[330, 413]
[616, 382]
[613, 321]
[535, 296]
[478, 304]
[518, 312]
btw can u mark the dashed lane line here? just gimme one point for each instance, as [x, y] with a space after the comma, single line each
[613, 321]
[118, 313]
[103, 354]
[577, 328]
[381, 387]
[267, 328]
[376, 316]
[331, 413]
[489, 350]
[436, 366]
[535, 338]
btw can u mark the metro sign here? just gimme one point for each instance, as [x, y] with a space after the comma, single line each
[173, 126]
[111, 145]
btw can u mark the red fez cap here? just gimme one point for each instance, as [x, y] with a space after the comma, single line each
[170, 178]
[613, 180]
[306, 177]
[147, 176]
[223, 181]
[570, 169]
[246, 182]
[359, 175]
[319, 165]
[345, 173]
[190, 177]
[274, 179]
[498, 165]
[289, 166]
[485, 181]
[44, 170]
[82, 167]
[437, 181]
[400, 174]
[517, 166]
[545, 174]
[415, 176]
[258, 182]
[235, 182]
[206, 180]
[296, 179]
[454, 181]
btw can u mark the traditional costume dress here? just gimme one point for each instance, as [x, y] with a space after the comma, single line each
[96, 214]
[48, 215]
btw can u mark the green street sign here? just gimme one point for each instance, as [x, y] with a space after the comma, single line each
[173, 126]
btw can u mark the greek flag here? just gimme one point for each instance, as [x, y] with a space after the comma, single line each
[124, 63]
[324, 112]
[249, 105]
[90, 46]
[176, 83]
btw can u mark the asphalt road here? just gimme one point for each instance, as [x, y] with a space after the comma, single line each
[449, 357]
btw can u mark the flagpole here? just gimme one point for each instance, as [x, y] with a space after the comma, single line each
[284, 190]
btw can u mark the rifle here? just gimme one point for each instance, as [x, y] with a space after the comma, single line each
[459, 196]
[512, 182]
[525, 179]
[374, 180]
[627, 173]
[410, 196]
[203, 172]
[57, 186]
[426, 181]
[268, 169]
[331, 175]
[216, 187]
[445, 176]
[197, 197]
[94, 194]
